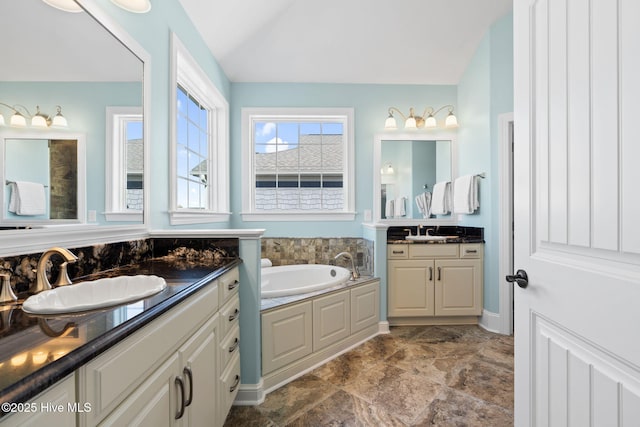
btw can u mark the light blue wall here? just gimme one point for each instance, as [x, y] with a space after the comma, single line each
[484, 92]
[370, 103]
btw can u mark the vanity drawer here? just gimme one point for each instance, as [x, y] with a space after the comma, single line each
[397, 251]
[229, 315]
[471, 250]
[433, 250]
[228, 284]
[230, 381]
[229, 347]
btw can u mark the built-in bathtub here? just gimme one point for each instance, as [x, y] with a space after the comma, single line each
[298, 279]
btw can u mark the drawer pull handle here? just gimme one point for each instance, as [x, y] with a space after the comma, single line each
[439, 273]
[235, 384]
[397, 252]
[471, 251]
[178, 382]
[430, 273]
[235, 345]
[233, 285]
[233, 315]
[189, 374]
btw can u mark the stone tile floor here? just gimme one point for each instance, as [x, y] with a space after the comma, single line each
[414, 376]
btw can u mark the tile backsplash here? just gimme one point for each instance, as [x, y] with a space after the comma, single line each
[102, 257]
[320, 250]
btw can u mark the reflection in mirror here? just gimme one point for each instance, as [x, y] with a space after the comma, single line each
[83, 67]
[410, 169]
[43, 179]
[406, 167]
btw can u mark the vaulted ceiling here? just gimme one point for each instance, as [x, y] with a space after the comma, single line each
[345, 41]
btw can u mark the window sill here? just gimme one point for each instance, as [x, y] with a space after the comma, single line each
[298, 216]
[197, 217]
[124, 216]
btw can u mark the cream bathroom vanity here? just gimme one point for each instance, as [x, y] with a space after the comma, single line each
[434, 283]
[182, 369]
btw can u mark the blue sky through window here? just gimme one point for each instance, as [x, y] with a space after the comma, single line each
[270, 136]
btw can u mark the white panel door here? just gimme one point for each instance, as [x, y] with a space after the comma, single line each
[576, 210]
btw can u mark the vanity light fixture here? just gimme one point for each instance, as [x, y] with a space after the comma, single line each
[38, 120]
[135, 6]
[65, 5]
[426, 120]
[387, 169]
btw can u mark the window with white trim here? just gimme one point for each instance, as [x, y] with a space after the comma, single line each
[199, 148]
[125, 164]
[298, 164]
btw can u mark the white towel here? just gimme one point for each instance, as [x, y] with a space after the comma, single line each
[388, 209]
[27, 198]
[400, 207]
[424, 204]
[465, 194]
[265, 262]
[441, 198]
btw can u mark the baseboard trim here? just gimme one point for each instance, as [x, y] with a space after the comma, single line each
[491, 322]
[250, 394]
[383, 327]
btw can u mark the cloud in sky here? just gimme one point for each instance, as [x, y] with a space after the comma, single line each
[274, 143]
[268, 129]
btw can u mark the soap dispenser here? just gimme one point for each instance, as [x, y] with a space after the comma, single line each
[6, 294]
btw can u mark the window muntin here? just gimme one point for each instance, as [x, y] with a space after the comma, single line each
[192, 151]
[299, 164]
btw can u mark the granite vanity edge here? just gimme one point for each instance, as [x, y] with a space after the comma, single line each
[35, 383]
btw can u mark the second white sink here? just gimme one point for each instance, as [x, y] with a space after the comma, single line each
[95, 294]
[426, 238]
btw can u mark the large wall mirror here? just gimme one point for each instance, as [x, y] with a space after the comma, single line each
[406, 165]
[89, 65]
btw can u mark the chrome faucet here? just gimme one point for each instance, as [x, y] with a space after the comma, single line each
[42, 282]
[355, 274]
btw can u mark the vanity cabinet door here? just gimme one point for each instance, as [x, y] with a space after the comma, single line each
[154, 403]
[411, 288]
[286, 336]
[199, 364]
[458, 287]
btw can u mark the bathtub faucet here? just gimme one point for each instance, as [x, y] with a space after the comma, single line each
[355, 274]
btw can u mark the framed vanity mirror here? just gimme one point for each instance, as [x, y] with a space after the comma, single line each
[44, 179]
[406, 165]
[88, 64]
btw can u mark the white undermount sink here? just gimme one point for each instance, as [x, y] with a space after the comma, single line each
[426, 238]
[95, 294]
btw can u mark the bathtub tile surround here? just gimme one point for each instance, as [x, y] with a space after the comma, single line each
[287, 251]
[103, 257]
[417, 375]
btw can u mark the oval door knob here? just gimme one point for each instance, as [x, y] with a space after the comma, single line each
[520, 278]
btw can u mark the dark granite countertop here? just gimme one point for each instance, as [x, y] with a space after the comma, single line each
[37, 351]
[454, 234]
